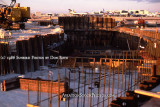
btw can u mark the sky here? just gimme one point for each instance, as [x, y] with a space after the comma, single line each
[62, 6]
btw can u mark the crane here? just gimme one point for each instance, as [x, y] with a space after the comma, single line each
[13, 2]
[12, 17]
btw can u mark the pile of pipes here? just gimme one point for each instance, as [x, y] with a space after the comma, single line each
[150, 84]
[10, 84]
[133, 99]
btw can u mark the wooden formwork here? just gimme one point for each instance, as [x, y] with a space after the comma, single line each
[43, 86]
[150, 34]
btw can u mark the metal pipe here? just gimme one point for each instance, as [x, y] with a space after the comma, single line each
[147, 93]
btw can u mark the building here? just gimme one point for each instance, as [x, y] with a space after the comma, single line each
[38, 13]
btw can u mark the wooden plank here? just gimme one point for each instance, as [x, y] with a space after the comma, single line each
[2, 88]
[30, 105]
[11, 86]
[10, 80]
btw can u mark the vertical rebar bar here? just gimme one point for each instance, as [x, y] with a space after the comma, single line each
[40, 93]
[88, 86]
[74, 86]
[104, 82]
[82, 82]
[59, 90]
[113, 78]
[109, 81]
[37, 92]
[132, 64]
[51, 92]
[84, 89]
[118, 75]
[78, 90]
[122, 74]
[99, 83]
[69, 88]
[65, 82]
[93, 77]
[125, 56]
[129, 70]
[48, 91]
[91, 87]
[28, 92]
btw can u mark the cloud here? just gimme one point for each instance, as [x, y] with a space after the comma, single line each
[146, 0]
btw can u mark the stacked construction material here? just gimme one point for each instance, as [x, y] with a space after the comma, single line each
[10, 84]
[45, 22]
[43, 86]
[150, 84]
[132, 99]
[17, 26]
[86, 22]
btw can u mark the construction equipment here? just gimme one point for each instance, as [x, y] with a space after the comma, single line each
[141, 22]
[13, 17]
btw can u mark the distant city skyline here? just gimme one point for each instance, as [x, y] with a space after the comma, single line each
[62, 6]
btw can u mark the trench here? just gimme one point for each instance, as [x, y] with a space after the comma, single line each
[96, 44]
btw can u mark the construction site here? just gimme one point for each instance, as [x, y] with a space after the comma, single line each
[77, 61]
